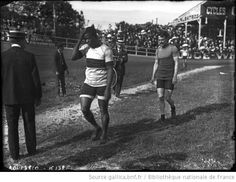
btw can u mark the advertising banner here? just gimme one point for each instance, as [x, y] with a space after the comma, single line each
[218, 9]
[191, 15]
[210, 9]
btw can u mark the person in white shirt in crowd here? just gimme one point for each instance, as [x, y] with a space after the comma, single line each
[185, 53]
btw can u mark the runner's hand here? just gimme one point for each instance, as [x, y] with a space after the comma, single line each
[152, 81]
[174, 80]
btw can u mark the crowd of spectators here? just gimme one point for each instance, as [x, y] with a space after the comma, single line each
[146, 36]
[39, 35]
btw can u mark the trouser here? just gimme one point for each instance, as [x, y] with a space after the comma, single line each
[28, 115]
[118, 86]
[61, 84]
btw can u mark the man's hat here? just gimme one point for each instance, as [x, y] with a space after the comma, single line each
[16, 34]
[120, 41]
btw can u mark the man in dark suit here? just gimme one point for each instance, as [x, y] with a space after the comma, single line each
[60, 68]
[121, 57]
[21, 91]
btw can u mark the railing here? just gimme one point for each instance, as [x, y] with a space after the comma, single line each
[70, 43]
[40, 40]
[140, 51]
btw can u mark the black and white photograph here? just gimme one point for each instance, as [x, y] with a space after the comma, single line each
[118, 86]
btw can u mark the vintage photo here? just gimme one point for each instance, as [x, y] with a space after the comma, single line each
[118, 85]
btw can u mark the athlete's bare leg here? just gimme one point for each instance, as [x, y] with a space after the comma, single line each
[161, 96]
[168, 98]
[88, 115]
[103, 105]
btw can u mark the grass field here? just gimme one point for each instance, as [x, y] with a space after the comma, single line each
[138, 70]
[198, 139]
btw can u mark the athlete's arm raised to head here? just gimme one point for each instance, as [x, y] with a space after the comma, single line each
[76, 53]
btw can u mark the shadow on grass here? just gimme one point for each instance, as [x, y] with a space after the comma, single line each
[155, 162]
[139, 92]
[121, 135]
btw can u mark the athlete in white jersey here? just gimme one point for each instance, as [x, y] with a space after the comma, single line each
[99, 65]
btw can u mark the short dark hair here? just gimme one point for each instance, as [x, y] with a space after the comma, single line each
[164, 33]
[91, 30]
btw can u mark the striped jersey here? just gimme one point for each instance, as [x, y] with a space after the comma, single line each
[96, 61]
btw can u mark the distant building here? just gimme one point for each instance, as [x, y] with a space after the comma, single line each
[213, 19]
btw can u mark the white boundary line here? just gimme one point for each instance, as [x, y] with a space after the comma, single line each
[180, 76]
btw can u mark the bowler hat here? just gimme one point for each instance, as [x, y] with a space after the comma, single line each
[16, 34]
[120, 41]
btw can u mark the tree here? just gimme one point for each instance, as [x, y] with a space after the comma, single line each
[23, 13]
[25, 8]
[46, 16]
[62, 17]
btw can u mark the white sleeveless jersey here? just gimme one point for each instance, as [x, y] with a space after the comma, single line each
[96, 72]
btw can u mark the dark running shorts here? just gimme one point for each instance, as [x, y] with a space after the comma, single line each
[166, 84]
[184, 57]
[90, 92]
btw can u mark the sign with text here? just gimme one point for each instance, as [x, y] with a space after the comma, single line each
[216, 10]
[191, 15]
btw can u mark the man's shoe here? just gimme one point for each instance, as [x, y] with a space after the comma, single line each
[103, 140]
[14, 160]
[32, 153]
[97, 134]
[162, 117]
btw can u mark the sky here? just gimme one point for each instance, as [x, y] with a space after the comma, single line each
[103, 13]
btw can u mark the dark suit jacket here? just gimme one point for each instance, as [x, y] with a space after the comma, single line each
[20, 77]
[59, 63]
[121, 59]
